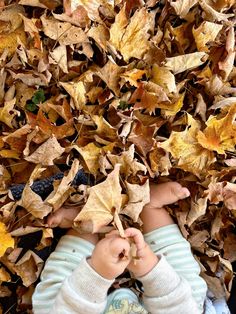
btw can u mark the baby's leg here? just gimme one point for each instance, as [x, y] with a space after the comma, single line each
[63, 217]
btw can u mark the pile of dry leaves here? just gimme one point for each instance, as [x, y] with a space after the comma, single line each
[128, 90]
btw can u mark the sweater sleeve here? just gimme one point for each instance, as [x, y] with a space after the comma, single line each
[68, 284]
[165, 292]
[169, 242]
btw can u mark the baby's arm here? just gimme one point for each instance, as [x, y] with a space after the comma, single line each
[72, 284]
[164, 237]
[165, 291]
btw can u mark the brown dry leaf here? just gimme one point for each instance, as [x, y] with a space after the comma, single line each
[139, 195]
[91, 153]
[160, 161]
[212, 14]
[33, 203]
[220, 133]
[63, 190]
[6, 240]
[59, 56]
[46, 153]
[230, 247]
[100, 34]
[128, 164]
[104, 129]
[142, 137]
[64, 33]
[185, 62]
[92, 7]
[149, 96]
[198, 208]
[184, 147]
[78, 93]
[131, 38]
[7, 112]
[4, 275]
[206, 33]
[29, 267]
[228, 64]
[12, 14]
[103, 202]
[182, 7]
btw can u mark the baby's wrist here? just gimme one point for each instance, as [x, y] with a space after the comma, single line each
[101, 269]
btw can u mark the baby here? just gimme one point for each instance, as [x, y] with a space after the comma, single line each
[79, 273]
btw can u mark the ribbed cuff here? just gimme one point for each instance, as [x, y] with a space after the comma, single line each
[161, 280]
[91, 285]
[164, 236]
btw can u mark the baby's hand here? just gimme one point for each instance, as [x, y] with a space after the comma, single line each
[146, 259]
[110, 256]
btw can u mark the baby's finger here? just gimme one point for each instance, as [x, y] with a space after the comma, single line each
[119, 248]
[137, 237]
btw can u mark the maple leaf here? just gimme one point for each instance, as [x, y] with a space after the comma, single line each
[183, 146]
[6, 240]
[185, 62]
[139, 196]
[63, 190]
[46, 153]
[182, 7]
[219, 135]
[7, 113]
[206, 33]
[131, 38]
[103, 205]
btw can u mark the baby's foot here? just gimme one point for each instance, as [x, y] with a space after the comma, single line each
[63, 217]
[166, 193]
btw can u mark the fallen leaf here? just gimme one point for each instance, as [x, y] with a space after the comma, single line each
[206, 33]
[139, 195]
[7, 113]
[58, 197]
[131, 38]
[163, 77]
[6, 240]
[182, 7]
[59, 56]
[212, 14]
[228, 64]
[185, 62]
[189, 155]
[103, 202]
[219, 133]
[46, 153]
[29, 267]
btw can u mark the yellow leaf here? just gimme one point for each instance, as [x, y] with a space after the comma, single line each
[10, 40]
[163, 77]
[6, 240]
[91, 153]
[206, 33]
[220, 134]
[7, 113]
[103, 202]
[8, 153]
[131, 40]
[77, 91]
[185, 62]
[173, 108]
[189, 155]
[182, 7]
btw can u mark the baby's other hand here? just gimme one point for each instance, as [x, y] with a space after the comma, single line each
[110, 256]
[146, 259]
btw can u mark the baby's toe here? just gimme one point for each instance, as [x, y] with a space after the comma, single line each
[179, 191]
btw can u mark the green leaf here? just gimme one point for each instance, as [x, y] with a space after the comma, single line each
[38, 97]
[31, 107]
[123, 105]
